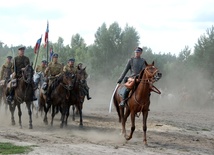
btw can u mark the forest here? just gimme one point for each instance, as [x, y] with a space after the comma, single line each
[105, 59]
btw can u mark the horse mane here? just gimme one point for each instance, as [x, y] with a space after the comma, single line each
[56, 82]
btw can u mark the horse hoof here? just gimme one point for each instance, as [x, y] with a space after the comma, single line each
[13, 123]
[31, 127]
[61, 126]
[20, 127]
[81, 125]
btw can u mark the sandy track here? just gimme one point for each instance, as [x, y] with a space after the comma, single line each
[171, 130]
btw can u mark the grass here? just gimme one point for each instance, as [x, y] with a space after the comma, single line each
[9, 148]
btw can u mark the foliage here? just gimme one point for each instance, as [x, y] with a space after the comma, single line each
[8, 148]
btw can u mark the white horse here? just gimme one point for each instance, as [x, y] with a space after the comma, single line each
[38, 78]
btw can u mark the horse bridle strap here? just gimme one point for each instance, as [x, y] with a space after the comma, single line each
[65, 86]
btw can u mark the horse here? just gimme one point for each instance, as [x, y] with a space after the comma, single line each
[77, 96]
[139, 99]
[23, 93]
[38, 79]
[60, 95]
[3, 86]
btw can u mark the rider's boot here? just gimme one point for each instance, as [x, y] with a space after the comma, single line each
[125, 95]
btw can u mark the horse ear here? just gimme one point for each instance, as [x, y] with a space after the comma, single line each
[146, 63]
[84, 68]
[153, 63]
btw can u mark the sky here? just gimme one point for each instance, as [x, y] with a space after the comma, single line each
[165, 26]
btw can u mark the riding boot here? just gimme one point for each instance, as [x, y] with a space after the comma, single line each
[125, 95]
[88, 97]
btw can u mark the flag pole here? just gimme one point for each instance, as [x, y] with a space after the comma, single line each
[47, 41]
[37, 55]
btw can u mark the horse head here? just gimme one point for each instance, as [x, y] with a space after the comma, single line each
[150, 73]
[27, 74]
[67, 80]
[38, 78]
[80, 75]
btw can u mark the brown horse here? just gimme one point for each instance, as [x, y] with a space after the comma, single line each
[139, 100]
[23, 93]
[77, 96]
[59, 97]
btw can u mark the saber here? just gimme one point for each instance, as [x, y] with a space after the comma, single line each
[111, 101]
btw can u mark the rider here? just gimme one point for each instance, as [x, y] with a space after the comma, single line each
[20, 62]
[42, 67]
[7, 69]
[70, 66]
[53, 70]
[135, 65]
[84, 84]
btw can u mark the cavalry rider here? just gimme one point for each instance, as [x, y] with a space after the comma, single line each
[53, 70]
[42, 67]
[136, 64]
[70, 66]
[85, 87]
[6, 69]
[20, 62]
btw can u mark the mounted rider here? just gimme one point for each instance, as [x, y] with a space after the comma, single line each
[6, 69]
[53, 71]
[135, 65]
[70, 66]
[84, 84]
[42, 67]
[20, 62]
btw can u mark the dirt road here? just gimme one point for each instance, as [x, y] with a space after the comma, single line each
[171, 130]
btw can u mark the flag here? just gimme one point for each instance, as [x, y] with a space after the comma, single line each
[37, 45]
[46, 35]
[51, 53]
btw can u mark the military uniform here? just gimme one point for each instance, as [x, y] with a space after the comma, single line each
[20, 62]
[53, 70]
[6, 70]
[135, 65]
[41, 68]
[70, 69]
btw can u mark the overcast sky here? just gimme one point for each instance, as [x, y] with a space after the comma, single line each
[163, 25]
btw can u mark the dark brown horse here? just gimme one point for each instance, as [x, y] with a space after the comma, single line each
[60, 96]
[23, 93]
[77, 96]
[139, 100]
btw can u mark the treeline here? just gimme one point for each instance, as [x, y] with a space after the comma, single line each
[107, 56]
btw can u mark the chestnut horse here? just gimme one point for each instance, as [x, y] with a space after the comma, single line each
[59, 97]
[139, 100]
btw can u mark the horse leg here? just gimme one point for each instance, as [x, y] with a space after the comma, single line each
[46, 109]
[73, 108]
[132, 125]
[67, 115]
[30, 114]
[127, 113]
[20, 115]
[12, 110]
[63, 116]
[53, 114]
[80, 114]
[145, 115]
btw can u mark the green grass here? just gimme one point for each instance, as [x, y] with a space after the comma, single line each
[9, 148]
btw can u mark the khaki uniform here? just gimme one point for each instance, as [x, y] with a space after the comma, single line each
[70, 69]
[40, 68]
[52, 70]
[6, 70]
[20, 62]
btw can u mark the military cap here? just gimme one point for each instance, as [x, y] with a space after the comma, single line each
[72, 60]
[55, 55]
[22, 48]
[138, 49]
[9, 57]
